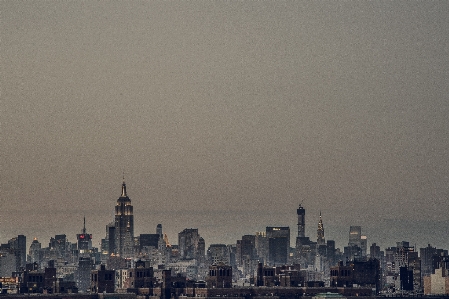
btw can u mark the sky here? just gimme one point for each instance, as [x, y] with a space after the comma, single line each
[225, 116]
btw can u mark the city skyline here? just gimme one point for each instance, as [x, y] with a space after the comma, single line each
[341, 238]
[225, 116]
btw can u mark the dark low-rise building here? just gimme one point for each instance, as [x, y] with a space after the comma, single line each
[358, 273]
[220, 276]
[102, 280]
[284, 276]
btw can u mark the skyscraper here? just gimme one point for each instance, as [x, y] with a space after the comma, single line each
[84, 240]
[278, 245]
[33, 252]
[84, 260]
[320, 233]
[124, 225]
[305, 248]
[355, 235]
[301, 221]
[191, 244]
[159, 230]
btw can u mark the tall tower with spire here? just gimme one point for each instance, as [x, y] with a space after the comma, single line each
[84, 240]
[124, 225]
[301, 221]
[320, 233]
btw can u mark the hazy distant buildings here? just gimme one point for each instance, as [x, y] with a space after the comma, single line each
[13, 255]
[246, 249]
[261, 244]
[191, 244]
[34, 251]
[218, 253]
[430, 259]
[355, 235]
[7, 263]
[357, 245]
[148, 240]
[124, 226]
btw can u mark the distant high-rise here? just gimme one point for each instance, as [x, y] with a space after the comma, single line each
[124, 225]
[355, 235]
[218, 253]
[261, 244]
[191, 245]
[17, 246]
[278, 245]
[84, 240]
[301, 221]
[320, 233]
[33, 252]
[159, 230]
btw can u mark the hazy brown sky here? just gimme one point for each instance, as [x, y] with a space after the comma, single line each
[225, 115]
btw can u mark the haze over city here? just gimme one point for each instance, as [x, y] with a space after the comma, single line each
[225, 116]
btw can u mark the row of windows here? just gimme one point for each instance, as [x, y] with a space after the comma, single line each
[107, 276]
[220, 272]
[342, 272]
[35, 278]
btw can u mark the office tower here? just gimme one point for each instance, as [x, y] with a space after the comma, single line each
[83, 274]
[148, 240]
[84, 240]
[305, 249]
[401, 256]
[374, 252]
[364, 245]
[431, 259]
[18, 248]
[247, 248]
[84, 260]
[355, 235]
[201, 248]
[278, 245]
[34, 251]
[190, 244]
[124, 226]
[110, 237]
[8, 262]
[218, 253]
[320, 233]
[60, 245]
[261, 244]
[159, 230]
[301, 221]
[330, 251]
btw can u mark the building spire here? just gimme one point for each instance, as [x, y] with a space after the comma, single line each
[123, 188]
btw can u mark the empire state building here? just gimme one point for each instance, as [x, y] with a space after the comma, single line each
[124, 225]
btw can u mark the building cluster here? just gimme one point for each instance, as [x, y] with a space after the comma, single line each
[255, 265]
